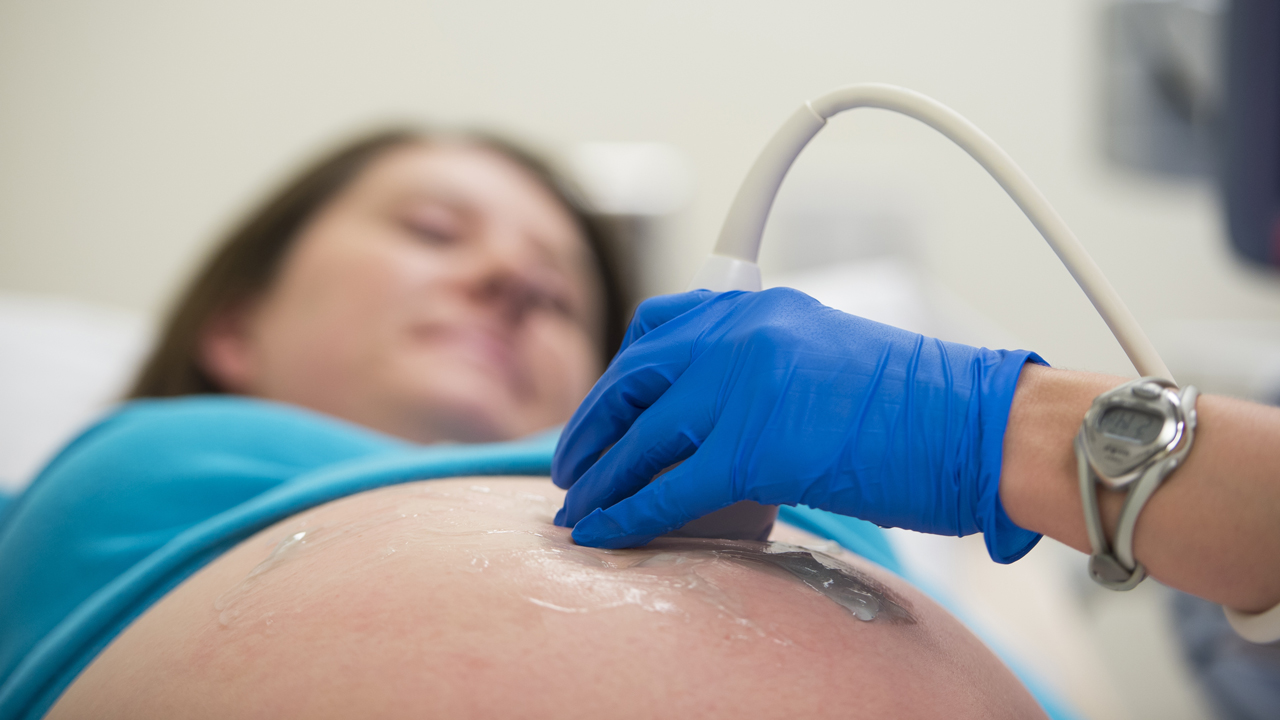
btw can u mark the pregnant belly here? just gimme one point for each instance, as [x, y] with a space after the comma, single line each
[459, 598]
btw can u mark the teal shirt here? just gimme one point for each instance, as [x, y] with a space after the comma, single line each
[143, 499]
[152, 493]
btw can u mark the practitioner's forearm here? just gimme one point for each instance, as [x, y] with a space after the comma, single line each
[1212, 529]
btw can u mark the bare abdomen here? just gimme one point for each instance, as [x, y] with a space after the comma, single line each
[458, 598]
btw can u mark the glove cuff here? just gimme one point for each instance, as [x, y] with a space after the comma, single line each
[1006, 541]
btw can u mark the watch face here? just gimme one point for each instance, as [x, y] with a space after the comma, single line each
[1130, 424]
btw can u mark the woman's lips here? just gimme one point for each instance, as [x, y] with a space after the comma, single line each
[477, 343]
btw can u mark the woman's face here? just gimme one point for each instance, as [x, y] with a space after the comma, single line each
[445, 294]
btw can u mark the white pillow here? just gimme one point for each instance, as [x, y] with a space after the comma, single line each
[62, 364]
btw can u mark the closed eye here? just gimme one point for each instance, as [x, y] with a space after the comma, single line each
[432, 233]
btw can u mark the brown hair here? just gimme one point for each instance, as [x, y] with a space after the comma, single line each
[246, 263]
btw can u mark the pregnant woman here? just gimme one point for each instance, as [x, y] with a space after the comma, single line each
[329, 497]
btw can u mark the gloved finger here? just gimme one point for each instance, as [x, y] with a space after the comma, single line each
[657, 311]
[635, 380]
[665, 434]
[688, 492]
[633, 383]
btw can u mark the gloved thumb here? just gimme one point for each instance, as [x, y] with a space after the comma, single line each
[684, 494]
[658, 311]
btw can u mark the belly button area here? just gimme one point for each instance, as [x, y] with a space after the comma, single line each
[841, 583]
[680, 559]
[672, 576]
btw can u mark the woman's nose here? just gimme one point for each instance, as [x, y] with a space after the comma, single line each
[503, 279]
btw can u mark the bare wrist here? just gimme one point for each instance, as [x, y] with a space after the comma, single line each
[1038, 485]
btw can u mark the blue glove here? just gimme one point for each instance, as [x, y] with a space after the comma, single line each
[773, 397]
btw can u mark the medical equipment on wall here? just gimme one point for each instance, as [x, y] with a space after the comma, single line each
[1192, 90]
[733, 263]
[1249, 173]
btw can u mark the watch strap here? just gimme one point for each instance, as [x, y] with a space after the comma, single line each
[1152, 479]
[1104, 567]
[1116, 567]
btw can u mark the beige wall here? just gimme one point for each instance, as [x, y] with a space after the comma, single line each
[131, 131]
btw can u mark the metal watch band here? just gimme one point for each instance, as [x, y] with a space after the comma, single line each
[1115, 567]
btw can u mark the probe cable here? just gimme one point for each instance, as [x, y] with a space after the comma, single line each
[733, 263]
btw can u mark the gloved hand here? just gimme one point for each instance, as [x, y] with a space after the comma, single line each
[771, 396]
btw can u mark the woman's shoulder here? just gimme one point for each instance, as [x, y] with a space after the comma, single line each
[166, 462]
[171, 440]
[145, 435]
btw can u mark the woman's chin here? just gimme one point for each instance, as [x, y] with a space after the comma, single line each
[446, 397]
[468, 412]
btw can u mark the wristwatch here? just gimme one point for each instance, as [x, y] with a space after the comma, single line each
[1131, 438]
